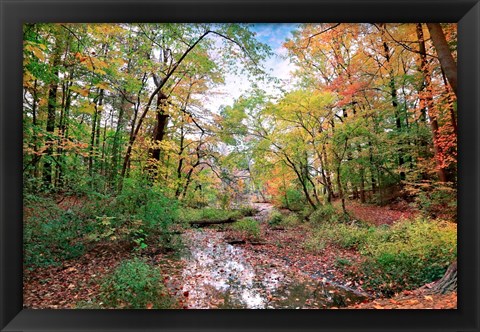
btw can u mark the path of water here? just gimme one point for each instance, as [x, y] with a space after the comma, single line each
[220, 275]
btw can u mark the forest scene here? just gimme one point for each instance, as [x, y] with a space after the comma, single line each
[240, 166]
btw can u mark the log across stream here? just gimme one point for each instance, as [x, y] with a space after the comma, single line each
[220, 275]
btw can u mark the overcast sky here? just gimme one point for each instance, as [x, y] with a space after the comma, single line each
[273, 34]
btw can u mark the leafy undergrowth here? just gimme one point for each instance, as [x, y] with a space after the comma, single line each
[77, 283]
[73, 282]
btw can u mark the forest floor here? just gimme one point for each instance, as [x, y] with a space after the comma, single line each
[276, 272]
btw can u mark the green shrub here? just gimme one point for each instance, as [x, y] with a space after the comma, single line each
[290, 220]
[316, 242]
[247, 211]
[207, 214]
[275, 218]
[158, 213]
[134, 284]
[294, 199]
[409, 255]
[352, 236]
[325, 213]
[344, 235]
[434, 199]
[403, 256]
[50, 235]
[249, 228]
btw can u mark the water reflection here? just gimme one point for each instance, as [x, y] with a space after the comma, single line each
[219, 275]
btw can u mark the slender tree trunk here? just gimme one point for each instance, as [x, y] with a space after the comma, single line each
[95, 130]
[302, 182]
[180, 163]
[340, 191]
[51, 110]
[362, 177]
[36, 157]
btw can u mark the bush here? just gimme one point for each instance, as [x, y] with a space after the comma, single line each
[325, 213]
[210, 214]
[158, 213]
[343, 235]
[290, 220]
[134, 284]
[249, 228]
[434, 199]
[247, 211]
[51, 235]
[409, 255]
[406, 255]
[294, 199]
[275, 219]
[316, 242]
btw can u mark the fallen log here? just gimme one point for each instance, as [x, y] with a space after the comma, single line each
[235, 241]
[202, 223]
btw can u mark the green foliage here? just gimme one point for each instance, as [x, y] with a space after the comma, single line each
[316, 242]
[208, 214]
[51, 235]
[324, 213]
[135, 284]
[147, 203]
[249, 228]
[290, 220]
[294, 199]
[409, 254]
[278, 219]
[247, 211]
[434, 199]
[275, 219]
[405, 255]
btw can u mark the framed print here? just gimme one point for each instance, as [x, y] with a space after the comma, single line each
[177, 156]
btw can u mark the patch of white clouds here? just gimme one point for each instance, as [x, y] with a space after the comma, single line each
[276, 65]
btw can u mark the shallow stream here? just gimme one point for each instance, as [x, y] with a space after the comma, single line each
[220, 275]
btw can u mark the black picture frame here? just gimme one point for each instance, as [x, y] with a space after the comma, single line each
[14, 13]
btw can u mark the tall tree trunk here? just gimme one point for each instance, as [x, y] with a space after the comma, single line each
[180, 162]
[341, 191]
[362, 176]
[372, 168]
[445, 56]
[95, 129]
[51, 110]
[160, 83]
[429, 103]
[326, 175]
[160, 126]
[36, 157]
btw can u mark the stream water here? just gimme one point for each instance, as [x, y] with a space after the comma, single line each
[220, 275]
